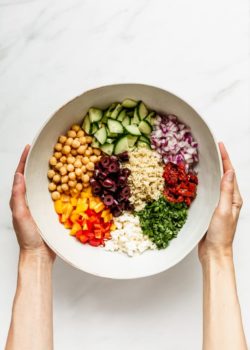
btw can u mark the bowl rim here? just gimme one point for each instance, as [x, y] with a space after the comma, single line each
[174, 261]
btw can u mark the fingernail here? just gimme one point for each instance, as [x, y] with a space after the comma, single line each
[17, 178]
[230, 176]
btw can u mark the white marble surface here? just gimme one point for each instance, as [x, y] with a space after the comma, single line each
[50, 51]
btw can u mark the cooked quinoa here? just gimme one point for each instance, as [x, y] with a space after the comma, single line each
[146, 181]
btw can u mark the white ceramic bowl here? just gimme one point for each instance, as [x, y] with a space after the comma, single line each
[97, 261]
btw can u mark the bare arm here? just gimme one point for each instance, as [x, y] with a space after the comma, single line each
[31, 324]
[222, 322]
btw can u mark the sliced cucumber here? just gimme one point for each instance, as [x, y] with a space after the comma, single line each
[116, 111]
[126, 121]
[111, 134]
[150, 117]
[86, 124]
[121, 145]
[107, 148]
[142, 110]
[94, 127]
[109, 140]
[101, 135]
[133, 130]
[130, 113]
[143, 144]
[145, 127]
[121, 115]
[95, 144]
[95, 114]
[131, 140]
[129, 103]
[144, 139]
[135, 119]
[115, 126]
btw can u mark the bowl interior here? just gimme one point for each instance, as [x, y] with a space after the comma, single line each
[98, 261]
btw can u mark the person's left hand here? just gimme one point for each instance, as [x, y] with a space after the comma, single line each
[27, 232]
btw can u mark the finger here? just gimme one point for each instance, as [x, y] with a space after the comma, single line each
[18, 201]
[22, 161]
[227, 192]
[227, 165]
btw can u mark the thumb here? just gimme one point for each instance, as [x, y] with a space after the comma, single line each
[227, 190]
[18, 202]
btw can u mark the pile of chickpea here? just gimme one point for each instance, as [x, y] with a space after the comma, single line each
[72, 164]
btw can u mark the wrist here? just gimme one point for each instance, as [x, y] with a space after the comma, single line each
[35, 257]
[218, 256]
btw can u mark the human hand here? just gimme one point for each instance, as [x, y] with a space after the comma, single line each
[27, 232]
[219, 238]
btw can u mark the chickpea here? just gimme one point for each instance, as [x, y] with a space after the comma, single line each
[63, 159]
[76, 144]
[86, 185]
[71, 160]
[80, 133]
[58, 165]
[64, 179]
[78, 172]
[74, 152]
[65, 187]
[70, 167]
[75, 127]
[52, 161]
[71, 133]
[89, 139]
[93, 159]
[90, 166]
[55, 195]
[58, 147]
[78, 163]
[83, 169]
[62, 139]
[96, 151]
[72, 176]
[90, 173]
[59, 189]
[65, 198]
[85, 160]
[56, 178]
[81, 149]
[85, 178]
[57, 155]
[52, 186]
[72, 183]
[63, 170]
[87, 153]
[66, 149]
[51, 173]
[79, 187]
[83, 140]
[69, 141]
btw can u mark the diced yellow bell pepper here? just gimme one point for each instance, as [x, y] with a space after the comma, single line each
[99, 207]
[67, 224]
[92, 203]
[74, 201]
[85, 226]
[112, 227]
[76, 227]
[67, 210]
[58, 206]
[65, 198]
[74, 217]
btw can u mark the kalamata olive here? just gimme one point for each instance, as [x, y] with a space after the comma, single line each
[113, 188]
[92, 181]
[128, 205]
[125, 192]
[105, 161]
[116, 212]
[97, 189]
[125, 172]
[103, 175]
[113, 158]
[108, 183]
[122, 180]
[108, 200]
[124, 157]
[113, 167]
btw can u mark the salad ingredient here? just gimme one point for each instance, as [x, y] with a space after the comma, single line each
[161, 221]
[174, 141]
[180, 185]
[72, 167]
[86, 216]
[115, 128]
[114, 193]
[128, 237]
[145, 180]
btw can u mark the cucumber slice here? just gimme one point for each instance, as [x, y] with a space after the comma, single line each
[86, 124]
[121, 145]
[111, 134]
[145, 127]
[95, 114]
[135, 119]
[133, 130]
[142, 110]
[121, 115]
[93, 128]
[95, 144]
[130, 113]
[132, 140]
[145, 139]
[126, 121]
[143, 144]
[115, 126]
[109, 140]
[116, 111]
[129, 103]
[101, 135]
[107, 148]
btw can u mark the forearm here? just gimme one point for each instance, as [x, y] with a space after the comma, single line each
[222, 324]
[31, 324]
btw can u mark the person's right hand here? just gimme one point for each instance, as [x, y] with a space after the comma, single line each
[219, 237]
